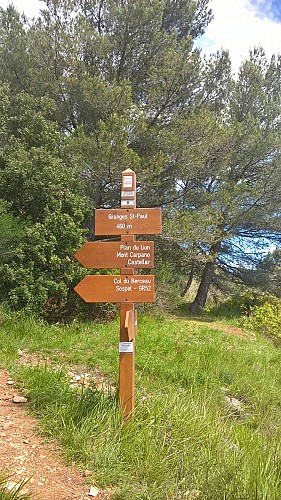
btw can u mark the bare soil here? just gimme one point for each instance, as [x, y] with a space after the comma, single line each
[229, 329]
[233, 330]
[27, 455]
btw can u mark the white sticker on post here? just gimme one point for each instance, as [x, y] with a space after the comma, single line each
[127, 181]
[127, 202]
[126, 347]
[126, 194]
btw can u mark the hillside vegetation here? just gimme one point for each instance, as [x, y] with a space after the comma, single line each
[207, 417]
[91, 88]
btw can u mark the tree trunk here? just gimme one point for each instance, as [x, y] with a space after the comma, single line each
[207, 277]
[187, 285]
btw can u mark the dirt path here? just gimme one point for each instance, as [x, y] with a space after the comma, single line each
[233, 330]
[27, 455]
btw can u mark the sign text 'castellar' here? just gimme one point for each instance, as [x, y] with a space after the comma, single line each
[116, 254]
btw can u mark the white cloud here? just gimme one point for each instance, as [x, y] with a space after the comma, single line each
[30, 8]
[239, 27]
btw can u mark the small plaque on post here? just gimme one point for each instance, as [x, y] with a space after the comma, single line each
[127, 181]
[126, 347]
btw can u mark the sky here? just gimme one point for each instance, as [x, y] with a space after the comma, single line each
[238, 25]
[31, 8]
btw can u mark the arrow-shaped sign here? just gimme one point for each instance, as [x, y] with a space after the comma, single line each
[116, 254]
[112, 288]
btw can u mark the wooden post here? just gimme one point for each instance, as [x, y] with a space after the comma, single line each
[125, 289]
[127, 359]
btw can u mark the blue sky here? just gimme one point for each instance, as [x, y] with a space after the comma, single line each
[268, 8]
[241, 25]
[238, 25]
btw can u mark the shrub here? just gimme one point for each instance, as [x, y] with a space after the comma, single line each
[246, 301]
[40, 271]
[266, 319]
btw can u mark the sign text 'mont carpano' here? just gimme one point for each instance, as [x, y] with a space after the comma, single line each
[116, 254]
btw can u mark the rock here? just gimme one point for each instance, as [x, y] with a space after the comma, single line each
[7, 425]
[87, 473]
[10, 382]
[93, 491]
[11, 485]
[20, 352]
[19, 399]
[234, 403]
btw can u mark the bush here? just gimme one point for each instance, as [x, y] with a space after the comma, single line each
[245, 302]
[40, 272]
[266, 319]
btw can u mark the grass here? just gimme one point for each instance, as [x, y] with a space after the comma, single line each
[15, 491]
[185, 440]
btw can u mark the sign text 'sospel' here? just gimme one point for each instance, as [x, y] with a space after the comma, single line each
[117, 288]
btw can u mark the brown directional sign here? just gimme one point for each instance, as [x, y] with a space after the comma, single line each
[128, 221]
[112, 288]
[122, 254]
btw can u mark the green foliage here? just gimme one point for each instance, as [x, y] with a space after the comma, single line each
[34, 181]
[266, 319]
[101, 157]
[267, 274]
[172, 263]
[244, 302]
[42, 210]
[91, 88]
[11, 231]
[41, 273]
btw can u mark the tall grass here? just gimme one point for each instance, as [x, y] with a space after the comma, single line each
[185, 440]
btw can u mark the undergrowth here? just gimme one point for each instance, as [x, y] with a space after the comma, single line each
[207, 418]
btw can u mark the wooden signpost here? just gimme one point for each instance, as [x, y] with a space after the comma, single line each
[128, 287]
